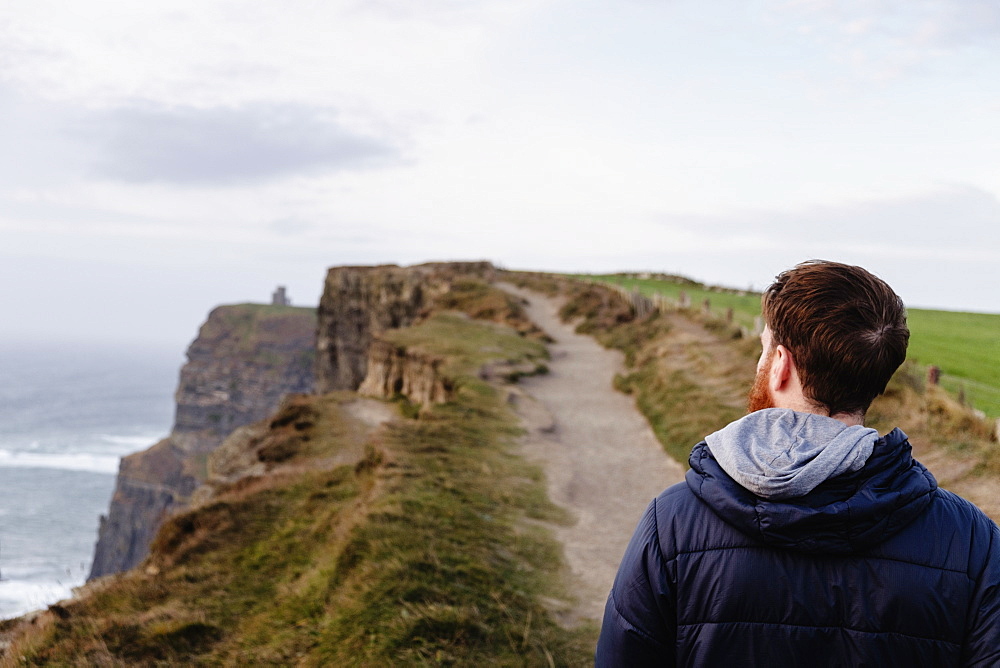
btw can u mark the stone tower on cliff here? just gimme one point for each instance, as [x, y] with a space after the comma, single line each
[280, 298]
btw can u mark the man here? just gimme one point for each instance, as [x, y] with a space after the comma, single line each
[800, 537]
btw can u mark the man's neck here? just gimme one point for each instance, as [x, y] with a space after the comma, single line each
[805, 406]
[850, 419]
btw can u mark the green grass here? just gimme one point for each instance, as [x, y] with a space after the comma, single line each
[746, 306]
[966, 346]
[467, 344]
[483, 301]
[446, 571]
[261, 330]
[679, 411]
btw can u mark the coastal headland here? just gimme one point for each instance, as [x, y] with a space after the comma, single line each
[439, 464]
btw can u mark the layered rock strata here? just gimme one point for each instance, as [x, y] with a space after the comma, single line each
[395, 371]
[360, 302]
[245, 359]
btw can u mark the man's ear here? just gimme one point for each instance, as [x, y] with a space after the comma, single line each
[782, 368]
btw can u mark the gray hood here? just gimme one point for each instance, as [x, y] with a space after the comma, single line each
[778, 453]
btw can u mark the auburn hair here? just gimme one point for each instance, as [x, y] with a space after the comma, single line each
[845, 328]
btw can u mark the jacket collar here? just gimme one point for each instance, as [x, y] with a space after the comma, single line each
[844, 514]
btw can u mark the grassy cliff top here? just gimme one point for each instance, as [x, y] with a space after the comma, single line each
[243, 328]
[466, 344]
[431, 547]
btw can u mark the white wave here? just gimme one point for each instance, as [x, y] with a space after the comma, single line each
[68, 462]
[18, 597]
[132, 442]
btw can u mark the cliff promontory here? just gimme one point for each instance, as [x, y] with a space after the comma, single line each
[358, 303]
[344, 530]
[246, 358]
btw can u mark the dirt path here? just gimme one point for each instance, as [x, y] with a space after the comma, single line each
[602, 461]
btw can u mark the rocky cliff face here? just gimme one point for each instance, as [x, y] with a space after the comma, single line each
[357, 303]
[151, 484]
[395, 371]
[360, 302]
[245, 359]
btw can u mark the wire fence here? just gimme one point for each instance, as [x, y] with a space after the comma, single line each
[982, 398]
[645, 304]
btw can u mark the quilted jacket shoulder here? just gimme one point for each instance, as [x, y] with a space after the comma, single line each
[875, 568]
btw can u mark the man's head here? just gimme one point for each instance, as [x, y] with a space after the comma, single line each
[843, 329]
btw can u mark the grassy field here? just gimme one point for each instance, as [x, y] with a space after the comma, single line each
[965, 346]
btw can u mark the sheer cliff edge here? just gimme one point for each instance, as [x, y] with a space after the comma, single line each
[248, 357]
[245, 359]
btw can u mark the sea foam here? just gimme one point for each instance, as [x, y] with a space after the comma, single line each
[91, 463]
[18, 597]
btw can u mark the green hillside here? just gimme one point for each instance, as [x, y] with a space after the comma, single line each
[965, 346]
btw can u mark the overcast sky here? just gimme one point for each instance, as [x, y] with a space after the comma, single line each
[159, 158]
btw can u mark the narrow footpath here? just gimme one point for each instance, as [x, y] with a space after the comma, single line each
[602, 462]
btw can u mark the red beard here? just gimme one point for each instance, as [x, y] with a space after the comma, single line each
[760, 394]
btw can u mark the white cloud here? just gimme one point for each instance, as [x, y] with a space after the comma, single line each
[256, 143]
[289, 226]
[939, 249]
[958, 219]
[884, 40]
[343, 53]
[225, 146]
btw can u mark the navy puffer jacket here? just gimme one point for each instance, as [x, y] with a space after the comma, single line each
[878, 567]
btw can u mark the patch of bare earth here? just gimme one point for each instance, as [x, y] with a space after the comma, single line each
[602, 462]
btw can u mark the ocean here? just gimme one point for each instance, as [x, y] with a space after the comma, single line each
[68, 413]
